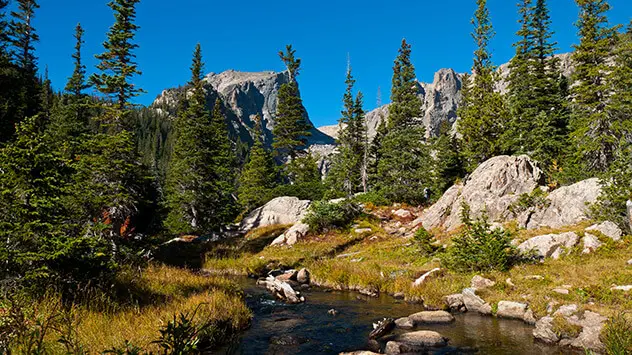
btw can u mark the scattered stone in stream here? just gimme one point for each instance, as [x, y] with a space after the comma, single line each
[287, 340]
[332, 312]
[480, 283]
[303, 276]
[404, 323]
[281, 290]
[399, 296]
[382, 328]
[455, 303]
[418, 341]
[473, 303]
[362, 352]
[430, 317]
[512, 310]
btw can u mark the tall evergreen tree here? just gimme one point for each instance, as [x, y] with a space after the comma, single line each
[117, 64]
[4, 32]
[292, 128]
[536, 100]
[258, 176]
[347, 173]
[405, 157]
[447, 160]
[199, 177]
[592, 132]
[483, 112]
[23, 38]
[9, 80]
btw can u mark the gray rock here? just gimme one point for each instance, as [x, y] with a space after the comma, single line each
[625, 288]
[567, 206]
[549, 245]
[544, 331]
[473, 303]
[628, 211]
[281, 210]
[455, 302]
[591, 243]
[292, 235]
[609, 229]
[430, 317]
[561, 291]
[303, 276]
[592, 323]
[529, 317]
[425, 338]
[282, 290]
[404, 323]
[566, 310]
[403, 214]
[629, 262]
[479, 282]
[512, 310]
[492, 187]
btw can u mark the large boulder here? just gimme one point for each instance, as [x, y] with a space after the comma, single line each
[550, 245]
[566, 206]
[431, 317]
[292, 235]
[493, 187]
[473, 303]
[608, 229]
[281, 210]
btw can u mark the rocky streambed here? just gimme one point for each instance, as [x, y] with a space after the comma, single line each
[331, 322]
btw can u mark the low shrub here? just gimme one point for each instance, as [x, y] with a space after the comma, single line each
[324, 216]
[478, 247]
[373, 198]
[424, 241]
[617, 335]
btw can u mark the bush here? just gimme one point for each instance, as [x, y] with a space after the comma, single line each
[312, 191]
[372, 197]
[617, 335]
[424, 242]
[324, 216]
[480, 248]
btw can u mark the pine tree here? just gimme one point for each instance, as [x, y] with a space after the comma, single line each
[347, 173]
[292, 128]
[9, 81]
[4, 32]
[447, 160]
[258, 176]
[199, 178]
[117, 63]
[592, 132]
[23, 38]
[538, 115]
[405, 158]
[482, 112]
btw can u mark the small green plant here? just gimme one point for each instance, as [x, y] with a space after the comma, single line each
[564, 329]
[479, 247]
[536, 199]
[182, 335]
[372, 197]
[324, 216]
[127, 349]
[617, 335]
[424, 241]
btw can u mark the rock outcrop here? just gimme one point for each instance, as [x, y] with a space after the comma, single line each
[493, 187]
[550, 245]
[567, 205]
[281, 210]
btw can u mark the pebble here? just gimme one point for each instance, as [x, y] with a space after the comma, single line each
[561, 291]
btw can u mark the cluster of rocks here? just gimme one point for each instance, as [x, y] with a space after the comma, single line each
[283, 284]
[555, 245]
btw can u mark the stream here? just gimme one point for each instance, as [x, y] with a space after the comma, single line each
[307, 328]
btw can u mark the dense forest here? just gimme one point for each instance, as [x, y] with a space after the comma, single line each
[91, 185]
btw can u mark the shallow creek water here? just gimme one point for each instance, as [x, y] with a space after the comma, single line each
[314, 331]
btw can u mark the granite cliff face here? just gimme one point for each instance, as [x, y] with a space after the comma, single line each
[244, 96]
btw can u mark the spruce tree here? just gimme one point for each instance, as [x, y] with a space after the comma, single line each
[348, 169]
[9, 80]
[447, 160]
[23, 38]
[4, 32]
[117, 64]
[258, 176]
[199, 177]
[482, 112]
[537, 124]
[404, 155]
[292, 128]
[592, 133]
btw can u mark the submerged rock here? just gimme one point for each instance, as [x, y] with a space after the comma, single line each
[404, 323]
[455, 302]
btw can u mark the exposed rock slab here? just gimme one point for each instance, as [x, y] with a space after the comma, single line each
[549, 245]
[492, 187]
[567, 206]
[544, 331]
[608, 229]
[281, 210]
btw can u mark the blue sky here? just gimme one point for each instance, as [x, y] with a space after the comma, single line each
[246, 35]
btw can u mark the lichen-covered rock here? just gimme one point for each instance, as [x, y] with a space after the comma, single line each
[479, 282]
[566, 206]
[494, 186]
[591, 243]
[607, 228]
[544, 331]
[281, 210]
[549, 245]
[512, 310]
[455, 302]
[473, 303]
[430, 317]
